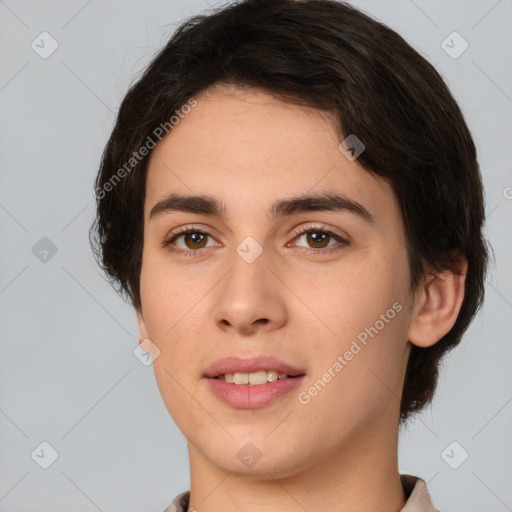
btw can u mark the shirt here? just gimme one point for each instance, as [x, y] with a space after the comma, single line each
[415, 489]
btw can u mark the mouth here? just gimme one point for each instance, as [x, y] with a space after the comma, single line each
[252, 383]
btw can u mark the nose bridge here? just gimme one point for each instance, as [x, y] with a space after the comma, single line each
[248, 293]
[248, 276]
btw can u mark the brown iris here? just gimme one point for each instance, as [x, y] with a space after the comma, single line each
[316, 239]
[198, 240]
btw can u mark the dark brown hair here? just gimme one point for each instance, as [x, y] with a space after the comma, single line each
[327, 55]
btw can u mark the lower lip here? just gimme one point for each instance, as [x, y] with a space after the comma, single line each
[252, 397]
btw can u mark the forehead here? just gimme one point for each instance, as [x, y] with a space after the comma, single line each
[246, 147]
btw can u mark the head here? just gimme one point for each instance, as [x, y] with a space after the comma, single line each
[242, 111]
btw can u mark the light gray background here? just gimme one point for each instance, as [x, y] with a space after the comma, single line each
[68, 373]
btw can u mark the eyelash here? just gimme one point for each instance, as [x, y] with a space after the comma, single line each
[310, 229]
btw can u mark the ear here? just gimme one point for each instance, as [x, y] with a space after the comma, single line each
[143, 333]
[437, 304]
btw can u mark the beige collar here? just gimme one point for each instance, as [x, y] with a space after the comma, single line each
[418, 497]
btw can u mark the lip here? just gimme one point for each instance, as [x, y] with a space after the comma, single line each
[253, 364]
[252, 397]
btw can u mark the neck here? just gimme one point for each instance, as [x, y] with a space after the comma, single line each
[361, 475]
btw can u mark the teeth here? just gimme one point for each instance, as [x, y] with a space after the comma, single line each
[241, 378]
[272, 376]
[253, 378]
[257, 378]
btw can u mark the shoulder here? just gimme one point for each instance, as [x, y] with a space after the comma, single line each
[416, 492]
[179, 503]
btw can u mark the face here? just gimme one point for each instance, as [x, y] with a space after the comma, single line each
[296, 264]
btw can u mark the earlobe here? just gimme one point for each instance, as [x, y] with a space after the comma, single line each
[438, 304]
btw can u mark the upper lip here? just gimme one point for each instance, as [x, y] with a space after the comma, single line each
[249, 365]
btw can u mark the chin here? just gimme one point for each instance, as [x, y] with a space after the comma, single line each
[256, 459]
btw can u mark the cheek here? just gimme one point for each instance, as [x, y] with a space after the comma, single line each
[169, 323]
[359, 377]
[168, 298]
[169, 316]
[352, 298]
[365, 310]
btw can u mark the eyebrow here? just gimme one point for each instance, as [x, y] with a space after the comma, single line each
[327, 201]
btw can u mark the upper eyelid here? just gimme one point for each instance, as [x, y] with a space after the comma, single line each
[322, 228]
[183, 231]
[296, 232]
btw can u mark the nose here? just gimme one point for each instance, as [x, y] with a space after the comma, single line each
[250, 299]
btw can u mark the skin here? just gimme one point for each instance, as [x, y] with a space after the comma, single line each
[248, 149]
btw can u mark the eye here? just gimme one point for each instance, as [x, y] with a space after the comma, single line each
[187, 241]
[318, 238]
